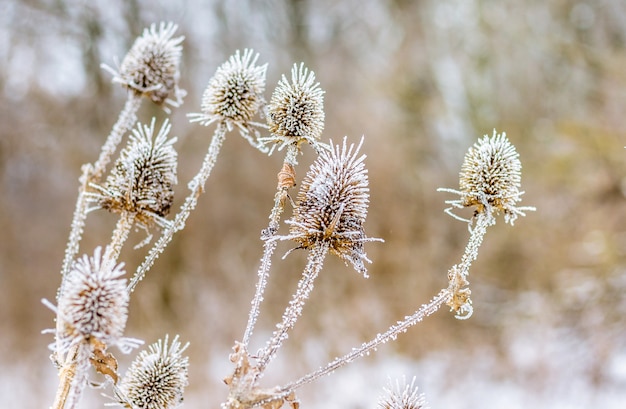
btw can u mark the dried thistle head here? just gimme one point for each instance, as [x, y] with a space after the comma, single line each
[490, 178]
[151, 66]
[157, 377]
[142, 179]
[235, 93]
[296, 110]
[402, 396]
[94, 303]
[332, 205]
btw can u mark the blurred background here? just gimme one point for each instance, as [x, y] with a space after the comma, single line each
[422, 80]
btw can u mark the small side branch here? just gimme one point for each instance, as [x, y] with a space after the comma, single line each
[391, 334]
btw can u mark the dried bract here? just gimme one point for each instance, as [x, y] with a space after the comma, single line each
[157, 377]
[296, 110]
[234, 94]
[93, 304]
[142, 179]
[151, 66]
[402, 396]
[332, 205]
[490, 178]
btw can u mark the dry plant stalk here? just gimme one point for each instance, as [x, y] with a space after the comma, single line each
[329, 214]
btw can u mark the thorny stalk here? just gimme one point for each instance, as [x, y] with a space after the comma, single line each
[314, 265]
[93, 174]
[269, 244]
[197, 187]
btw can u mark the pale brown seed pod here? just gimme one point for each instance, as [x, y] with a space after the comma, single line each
[287, 177]
[332, 205]
[151, 66]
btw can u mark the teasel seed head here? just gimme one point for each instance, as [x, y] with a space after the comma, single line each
[151, 66]
[402, 396]
[332, 205]
[142, 179]
[94, 303]
[235, 93]
[296, 110]
[157, 377]
[490, 179]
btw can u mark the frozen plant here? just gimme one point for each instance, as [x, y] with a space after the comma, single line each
[329, 215]
[402, 396]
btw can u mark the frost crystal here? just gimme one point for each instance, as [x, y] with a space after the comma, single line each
[332, 205]
[234, 94]
[151, 66]
[156, 378]
[142, 179]
[296, 110]
[94, 303]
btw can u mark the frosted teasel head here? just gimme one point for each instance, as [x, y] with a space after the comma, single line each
[93, 305]
[151, 66]
[234, 94]
[296, 110]
[402, 395]
[142, 179]
[490, 179]
[157, 377]
[332, 205]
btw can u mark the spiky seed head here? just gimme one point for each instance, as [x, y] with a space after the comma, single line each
[142, 179]
[402, 395]
[151, 66]
[235, 93]
[157, 377]
[296, 110]
[332, 204]
[94, 302]
[491, 175]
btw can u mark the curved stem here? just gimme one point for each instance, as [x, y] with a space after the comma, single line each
[391, 334]
[197, 187]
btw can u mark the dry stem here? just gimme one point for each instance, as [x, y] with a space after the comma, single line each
[269, 245]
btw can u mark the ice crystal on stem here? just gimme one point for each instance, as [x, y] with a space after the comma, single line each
[235, 95]
[157, 377]
[151, 66]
